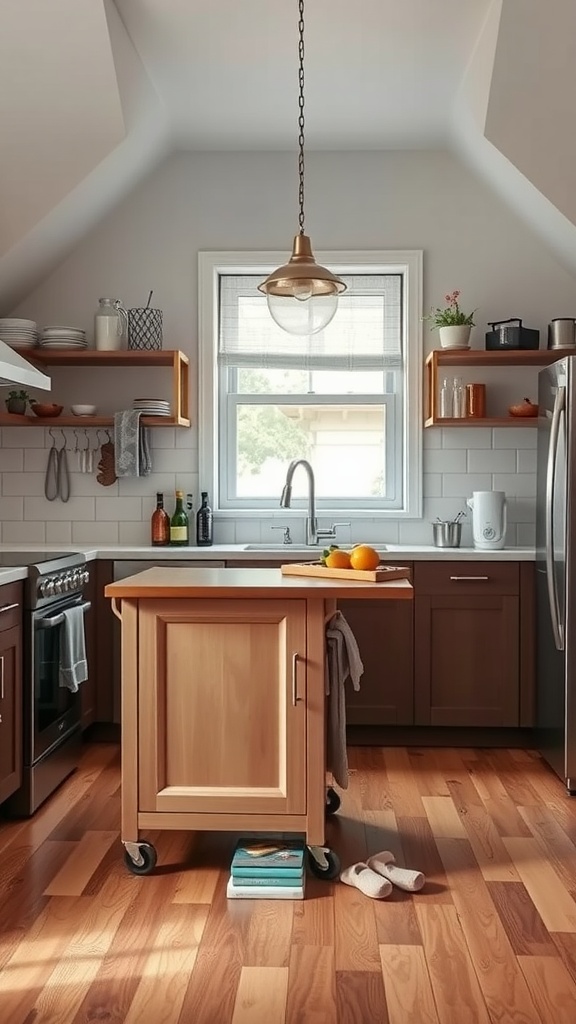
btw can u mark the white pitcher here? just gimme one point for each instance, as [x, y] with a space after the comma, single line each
[110, 325]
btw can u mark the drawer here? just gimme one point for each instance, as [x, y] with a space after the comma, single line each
[10, 594]
[467, 578]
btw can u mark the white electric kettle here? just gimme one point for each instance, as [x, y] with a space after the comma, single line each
[488, 519]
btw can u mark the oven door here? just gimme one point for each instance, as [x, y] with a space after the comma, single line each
[55, 710]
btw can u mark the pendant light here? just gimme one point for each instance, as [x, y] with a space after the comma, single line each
[302, 296]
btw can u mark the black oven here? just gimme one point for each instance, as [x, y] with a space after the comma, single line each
[51, 711]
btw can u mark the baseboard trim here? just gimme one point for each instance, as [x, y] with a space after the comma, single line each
[437, 736]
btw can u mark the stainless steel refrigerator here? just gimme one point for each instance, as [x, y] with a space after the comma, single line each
[556, 568]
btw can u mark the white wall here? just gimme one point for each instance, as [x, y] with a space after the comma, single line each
[233, 201]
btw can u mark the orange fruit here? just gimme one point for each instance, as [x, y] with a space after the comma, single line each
[364, 557]
[338, 559]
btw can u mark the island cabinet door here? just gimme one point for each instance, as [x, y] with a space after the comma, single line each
[222, 706]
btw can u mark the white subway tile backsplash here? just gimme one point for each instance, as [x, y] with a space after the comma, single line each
[432, 485]
[143, 486]
[38, 509]
[117, 509]
[163, 437]
[12, 508]
[515, 437]
[35, 460]
[521, 510]
[432, 439]
[11, 460]
[187, 439]
[171, 460]
[58, 533]
[466, 437]
[522, 485]
[23, 437]
[23, 483]
[225, 531]
[137, 533]
[462, 484]
[526, 534]
[491, 461]
[526, 459]
[94, 533]
[23, 533]
[445, 460]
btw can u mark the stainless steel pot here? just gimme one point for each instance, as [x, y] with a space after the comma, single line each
[447, 534]
[562, 333]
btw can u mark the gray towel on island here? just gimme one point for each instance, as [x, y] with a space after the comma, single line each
[343, 661]
[73, 667]
[131, 445]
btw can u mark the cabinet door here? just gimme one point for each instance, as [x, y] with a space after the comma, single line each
[467, 660]
[10, 712]
[384, 631]
[222, 706]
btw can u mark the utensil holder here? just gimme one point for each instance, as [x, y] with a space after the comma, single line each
[447, 534]
[145, 328]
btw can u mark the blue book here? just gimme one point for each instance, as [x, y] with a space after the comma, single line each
[270, 880]
[278, 854]
[262, 872]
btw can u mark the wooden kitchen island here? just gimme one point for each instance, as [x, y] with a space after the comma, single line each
[223, 702]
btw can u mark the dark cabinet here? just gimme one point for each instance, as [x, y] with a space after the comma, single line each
[468, 644]
[384, 631]
[10, 689]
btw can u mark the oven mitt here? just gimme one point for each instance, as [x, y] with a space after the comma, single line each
[368, 881]
[385, 865]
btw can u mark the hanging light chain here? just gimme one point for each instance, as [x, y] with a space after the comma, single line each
[301, 114]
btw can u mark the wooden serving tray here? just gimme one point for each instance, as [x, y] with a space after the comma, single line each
[378, 575]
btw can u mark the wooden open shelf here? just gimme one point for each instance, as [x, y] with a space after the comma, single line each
[480, 357]
[177, 360]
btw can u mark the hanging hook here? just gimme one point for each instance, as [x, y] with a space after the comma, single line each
[52, 435]
[63, 439]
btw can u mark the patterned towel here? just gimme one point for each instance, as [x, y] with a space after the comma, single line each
[131, 445]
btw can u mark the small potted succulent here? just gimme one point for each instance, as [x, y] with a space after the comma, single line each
[17, 401]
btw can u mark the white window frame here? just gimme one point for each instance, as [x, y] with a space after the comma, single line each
[211, 265]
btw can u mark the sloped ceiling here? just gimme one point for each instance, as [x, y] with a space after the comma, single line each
[94, 93]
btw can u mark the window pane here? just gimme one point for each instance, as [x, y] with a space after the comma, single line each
[320, 382]
[345, 444]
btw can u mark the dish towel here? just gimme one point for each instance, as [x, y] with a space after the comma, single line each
[343, 661]
[73, 667]
[131, 445]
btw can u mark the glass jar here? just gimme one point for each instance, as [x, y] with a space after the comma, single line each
[110, 325]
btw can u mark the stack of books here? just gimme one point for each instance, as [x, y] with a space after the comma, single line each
[267, 870]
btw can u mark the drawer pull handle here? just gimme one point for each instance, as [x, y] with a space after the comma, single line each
[470, 578]
[8, 607]
[295, 697]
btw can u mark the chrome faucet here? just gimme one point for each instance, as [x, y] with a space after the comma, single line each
[313, 534]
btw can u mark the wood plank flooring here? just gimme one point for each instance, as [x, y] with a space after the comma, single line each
[491, 939]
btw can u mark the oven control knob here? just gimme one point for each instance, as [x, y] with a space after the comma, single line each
[59, 585]
[85, 576]
[47, 587]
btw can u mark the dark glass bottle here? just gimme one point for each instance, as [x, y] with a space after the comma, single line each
[160, 524]
[179, 524]
[204, 523]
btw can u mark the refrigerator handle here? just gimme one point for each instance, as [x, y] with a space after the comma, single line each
[549, 522]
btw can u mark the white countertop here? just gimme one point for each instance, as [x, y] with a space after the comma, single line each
[397, 553]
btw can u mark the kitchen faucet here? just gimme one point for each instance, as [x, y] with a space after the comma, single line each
[313, 534]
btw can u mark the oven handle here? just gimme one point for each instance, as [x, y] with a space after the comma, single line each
[57, 620]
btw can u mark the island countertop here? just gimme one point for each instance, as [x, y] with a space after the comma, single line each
[165, 582]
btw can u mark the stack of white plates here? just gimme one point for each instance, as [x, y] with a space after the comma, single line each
[18, 333]
[63, 337]
[152, 406]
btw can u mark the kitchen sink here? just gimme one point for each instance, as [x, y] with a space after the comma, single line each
[288, 548]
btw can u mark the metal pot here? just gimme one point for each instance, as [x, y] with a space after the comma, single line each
[447, 534]
[562, 333]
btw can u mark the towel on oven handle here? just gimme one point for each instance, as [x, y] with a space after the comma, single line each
[73, 668]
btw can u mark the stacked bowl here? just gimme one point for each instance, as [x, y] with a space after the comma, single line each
[18, 333]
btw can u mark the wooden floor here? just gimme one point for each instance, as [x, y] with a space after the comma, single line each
[490, 939]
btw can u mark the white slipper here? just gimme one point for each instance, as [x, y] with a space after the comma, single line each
[369, 882]
[385, 865]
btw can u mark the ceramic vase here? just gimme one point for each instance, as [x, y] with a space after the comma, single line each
[455, 337]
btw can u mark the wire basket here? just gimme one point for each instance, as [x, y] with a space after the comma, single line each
[145, 328]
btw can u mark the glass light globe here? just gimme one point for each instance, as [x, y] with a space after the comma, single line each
[298, 314]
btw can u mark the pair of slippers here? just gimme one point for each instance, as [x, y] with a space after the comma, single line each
[376, 877]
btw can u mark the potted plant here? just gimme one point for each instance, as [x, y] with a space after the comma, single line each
[453, 325]
[17, 401]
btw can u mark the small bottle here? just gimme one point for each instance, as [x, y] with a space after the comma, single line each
[179, 524]
[160, 524]
[458, 399]
[446, 399]
[204, 523]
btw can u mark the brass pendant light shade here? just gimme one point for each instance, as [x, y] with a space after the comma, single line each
[302, 296]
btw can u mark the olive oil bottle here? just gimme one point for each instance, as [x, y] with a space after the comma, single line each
[179, 523]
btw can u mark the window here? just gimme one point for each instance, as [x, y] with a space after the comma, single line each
[347, 398]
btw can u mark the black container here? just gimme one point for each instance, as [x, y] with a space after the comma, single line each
[510, 334]
[204, 523]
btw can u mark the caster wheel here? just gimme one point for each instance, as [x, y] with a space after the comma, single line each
[323, 863]
[147, 854]
[332, 801]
